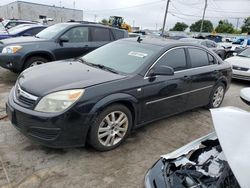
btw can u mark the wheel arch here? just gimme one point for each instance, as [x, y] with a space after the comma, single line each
[127, 100]
[45, 54]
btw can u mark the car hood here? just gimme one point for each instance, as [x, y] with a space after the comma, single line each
[239, 61]
[63, 75]
[18, 40]
[233, 130]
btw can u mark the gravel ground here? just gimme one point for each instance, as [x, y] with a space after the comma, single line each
[24, 164]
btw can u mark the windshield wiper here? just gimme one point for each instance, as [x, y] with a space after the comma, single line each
[36, 36]
[100, 66]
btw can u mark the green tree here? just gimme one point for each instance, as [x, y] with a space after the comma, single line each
[246, 26]
[179, 26]
[224, 27]
[207, 26]
[105, 21]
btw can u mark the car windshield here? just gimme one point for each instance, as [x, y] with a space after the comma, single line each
[245, 53]
[124, 57]
[52, 31]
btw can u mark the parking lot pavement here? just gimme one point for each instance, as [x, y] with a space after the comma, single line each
[25, 164]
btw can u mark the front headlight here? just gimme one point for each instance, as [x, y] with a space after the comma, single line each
[11, 49]
[59, 101]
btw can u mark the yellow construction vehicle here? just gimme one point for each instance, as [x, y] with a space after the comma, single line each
[117, 21]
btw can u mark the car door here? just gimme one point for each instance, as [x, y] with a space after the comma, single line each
[204, 74]
[76, 44]
[166, 95]
[99, 36]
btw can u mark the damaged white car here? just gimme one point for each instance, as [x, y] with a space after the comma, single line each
[219, 159]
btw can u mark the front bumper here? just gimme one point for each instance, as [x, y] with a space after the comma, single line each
[241, 75]
[68, 129]
[11, 61]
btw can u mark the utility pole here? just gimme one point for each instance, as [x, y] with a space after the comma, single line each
[165, 18]
[204, 11]
[237, 25]
[95, 17]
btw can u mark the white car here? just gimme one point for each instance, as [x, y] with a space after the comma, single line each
[218, 160]
[241, 65]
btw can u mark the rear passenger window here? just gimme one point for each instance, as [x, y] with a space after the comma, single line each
[100, 34]
[175, 58]
[198, 57]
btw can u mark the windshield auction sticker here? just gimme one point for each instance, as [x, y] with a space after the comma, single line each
[137, 54]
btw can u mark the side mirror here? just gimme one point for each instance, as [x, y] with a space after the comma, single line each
[63, 39]
[245, 95]
[161, 70]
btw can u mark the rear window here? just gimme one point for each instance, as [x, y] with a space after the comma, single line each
[100, 34]
[198, 57]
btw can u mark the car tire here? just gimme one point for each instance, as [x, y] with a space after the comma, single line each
[217, 96]
[110, 128]
[34, 61]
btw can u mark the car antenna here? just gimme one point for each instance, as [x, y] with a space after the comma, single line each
[139, 39]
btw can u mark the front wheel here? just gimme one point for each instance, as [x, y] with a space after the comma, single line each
[217, 96]
[111, 128]
[34, 61]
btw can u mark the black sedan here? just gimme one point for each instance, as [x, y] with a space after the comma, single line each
[102, 96]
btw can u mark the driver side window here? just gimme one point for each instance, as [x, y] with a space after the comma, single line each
[77, 34]
[175, 58]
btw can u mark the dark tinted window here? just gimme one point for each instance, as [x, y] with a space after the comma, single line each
[198, 57]
[78, 34]
[175, 58]
[36, 30]
[118, 34]
[100, 34]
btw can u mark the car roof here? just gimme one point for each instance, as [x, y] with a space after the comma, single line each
[160, 41]
[90, 24]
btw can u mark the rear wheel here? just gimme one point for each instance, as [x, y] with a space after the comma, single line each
[34, 61]
[111, 128]
[217, 96]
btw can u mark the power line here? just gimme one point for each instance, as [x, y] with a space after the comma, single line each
[215, 10]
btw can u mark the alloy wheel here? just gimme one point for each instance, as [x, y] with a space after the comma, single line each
[218, 96]
[113, 128]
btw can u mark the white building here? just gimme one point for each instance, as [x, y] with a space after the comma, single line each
[34, 11]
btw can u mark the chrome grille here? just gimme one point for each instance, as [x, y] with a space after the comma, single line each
[24, 98]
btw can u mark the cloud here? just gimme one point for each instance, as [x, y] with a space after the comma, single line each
[149, 13]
